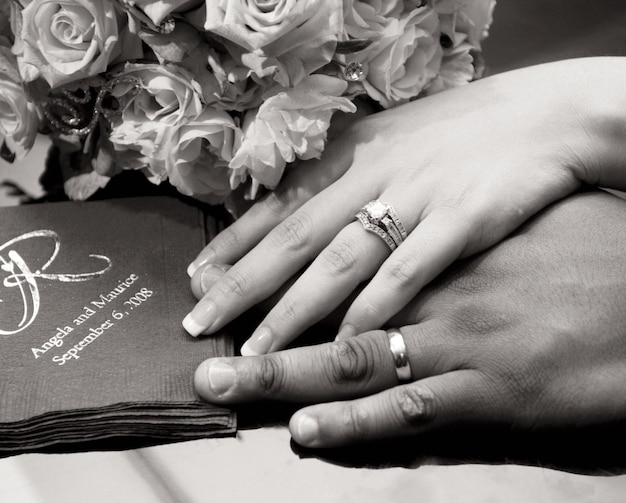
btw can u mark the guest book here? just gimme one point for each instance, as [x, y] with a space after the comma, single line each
[92, 295]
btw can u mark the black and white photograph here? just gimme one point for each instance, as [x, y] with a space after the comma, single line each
[312, 251]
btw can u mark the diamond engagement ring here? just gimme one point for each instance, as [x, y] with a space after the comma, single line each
[398, 350]
[381, 219]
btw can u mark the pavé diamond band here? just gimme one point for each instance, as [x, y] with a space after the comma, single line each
[381, 219]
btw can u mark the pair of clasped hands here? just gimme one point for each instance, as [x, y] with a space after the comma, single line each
[508, 291]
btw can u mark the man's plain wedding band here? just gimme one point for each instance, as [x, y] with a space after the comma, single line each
[381, 219]
[398, 350]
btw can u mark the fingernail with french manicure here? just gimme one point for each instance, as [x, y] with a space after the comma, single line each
[200, 318]
[307, 430]
[259, 343]
[346, 332]
[210, 275]
[202, 259]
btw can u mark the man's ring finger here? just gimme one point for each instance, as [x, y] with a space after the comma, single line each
[399, 353]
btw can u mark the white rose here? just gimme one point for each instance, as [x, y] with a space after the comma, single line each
[290, 124]
[197, 164]
[405, 59]
[19, 121]
[68, 40]
[285, 39]
[470, 19]
[367, 19]
[463, 26]
[167, 97]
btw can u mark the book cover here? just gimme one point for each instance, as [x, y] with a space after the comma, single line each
[92, 295]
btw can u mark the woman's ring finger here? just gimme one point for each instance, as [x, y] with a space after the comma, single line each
[381, 219]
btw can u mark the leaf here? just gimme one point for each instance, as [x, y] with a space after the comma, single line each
[352, 46]
[6, 153]
[84, 185]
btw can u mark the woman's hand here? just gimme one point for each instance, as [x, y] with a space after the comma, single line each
[528, 335]
[462, 169]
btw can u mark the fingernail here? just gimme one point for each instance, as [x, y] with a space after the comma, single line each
[202, 259]
[259, 343]
[210, 275]
[192, 268]
[307, 430]
[200, 318]
[221, 376]
[346, 332]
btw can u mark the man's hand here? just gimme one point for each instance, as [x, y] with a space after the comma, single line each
[530, 334]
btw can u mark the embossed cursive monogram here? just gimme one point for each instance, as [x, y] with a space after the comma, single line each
[20, 276]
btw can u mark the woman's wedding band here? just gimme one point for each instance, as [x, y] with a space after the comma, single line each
[381, 219]
[398, 350]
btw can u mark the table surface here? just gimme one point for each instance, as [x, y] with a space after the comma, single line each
[261, 463]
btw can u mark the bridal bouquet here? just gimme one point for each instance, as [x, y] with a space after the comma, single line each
[215, 95]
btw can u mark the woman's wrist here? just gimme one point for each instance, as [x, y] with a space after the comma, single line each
[597, 113]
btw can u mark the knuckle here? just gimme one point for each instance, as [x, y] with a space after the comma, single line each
[234, 284]
[449, 207]
[519, 382]
[340, 257]
[401, 272]
[524, 383]
[277, 201]
[369, 308]
[356, 421]
[472, 319]
[226, 240]
[351, 361]
[294, 233]
[286, 311]
[271, 376]
[486, 279]
[416, 405]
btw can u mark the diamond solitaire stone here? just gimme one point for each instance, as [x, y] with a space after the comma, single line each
[381, 219]
[376, 210]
